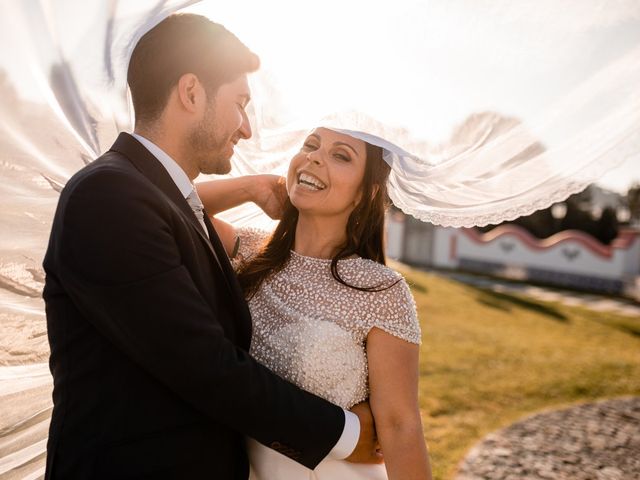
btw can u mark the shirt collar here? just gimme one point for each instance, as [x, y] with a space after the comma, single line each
[174, 170]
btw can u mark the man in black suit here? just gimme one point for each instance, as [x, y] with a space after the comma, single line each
[147, 325]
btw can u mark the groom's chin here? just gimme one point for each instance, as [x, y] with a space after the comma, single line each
[220, 166]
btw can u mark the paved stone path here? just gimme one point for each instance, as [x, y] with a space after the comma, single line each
[595, 441]
[586, 300]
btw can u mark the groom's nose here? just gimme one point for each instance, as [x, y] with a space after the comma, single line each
[245, 127]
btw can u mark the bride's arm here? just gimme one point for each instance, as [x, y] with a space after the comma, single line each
[267, 191]
[227, 234]
[393, 381]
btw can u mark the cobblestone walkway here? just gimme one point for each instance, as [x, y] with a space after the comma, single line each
[595, 441]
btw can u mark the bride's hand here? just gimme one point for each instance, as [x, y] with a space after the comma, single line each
[368, 449]
[269, 192]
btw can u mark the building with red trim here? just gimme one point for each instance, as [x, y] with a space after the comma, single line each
[570, 258]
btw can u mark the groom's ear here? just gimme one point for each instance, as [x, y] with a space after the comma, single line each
[190, 92]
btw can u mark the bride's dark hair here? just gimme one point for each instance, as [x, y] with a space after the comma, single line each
[365, 231]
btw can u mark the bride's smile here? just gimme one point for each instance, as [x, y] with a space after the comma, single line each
[310, 181]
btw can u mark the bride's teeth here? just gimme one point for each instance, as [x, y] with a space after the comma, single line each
[310, 182]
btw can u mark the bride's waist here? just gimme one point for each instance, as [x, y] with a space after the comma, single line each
[268, 464]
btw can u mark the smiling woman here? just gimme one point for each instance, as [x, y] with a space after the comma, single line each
[328, 315]
[338, 215]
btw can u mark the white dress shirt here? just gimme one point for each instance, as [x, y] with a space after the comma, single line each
[179, 177]
[349, 439]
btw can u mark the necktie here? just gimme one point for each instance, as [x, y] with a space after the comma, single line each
[198, 209]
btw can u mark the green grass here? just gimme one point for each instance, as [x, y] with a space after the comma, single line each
[488, 359]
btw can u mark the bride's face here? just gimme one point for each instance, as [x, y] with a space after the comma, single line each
[325, 176]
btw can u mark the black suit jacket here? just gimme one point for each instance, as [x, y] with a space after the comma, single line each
[149, 335]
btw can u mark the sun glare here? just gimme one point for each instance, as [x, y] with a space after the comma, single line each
[422, 66]
[333, 56]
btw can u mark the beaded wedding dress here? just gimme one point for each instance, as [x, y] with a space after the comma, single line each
[311, 330]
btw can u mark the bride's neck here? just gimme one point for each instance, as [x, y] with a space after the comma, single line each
[319, 237]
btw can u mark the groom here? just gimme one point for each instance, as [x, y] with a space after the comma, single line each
[147, 325]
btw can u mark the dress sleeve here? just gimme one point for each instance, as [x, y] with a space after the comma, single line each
[250, 241]
[396, 313]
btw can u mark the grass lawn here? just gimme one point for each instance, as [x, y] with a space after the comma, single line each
[488, 359]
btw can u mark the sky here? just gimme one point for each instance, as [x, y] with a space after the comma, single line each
[425, 65]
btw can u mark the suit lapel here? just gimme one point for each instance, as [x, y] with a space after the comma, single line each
[151, 168]
[216, 243]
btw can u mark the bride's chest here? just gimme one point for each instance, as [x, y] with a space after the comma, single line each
[319, 308]
[314, 336]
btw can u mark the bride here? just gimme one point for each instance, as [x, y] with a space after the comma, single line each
[328, 315]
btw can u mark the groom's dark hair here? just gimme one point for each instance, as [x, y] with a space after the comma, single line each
[180, 44]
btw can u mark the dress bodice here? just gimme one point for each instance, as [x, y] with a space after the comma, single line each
[312, 330]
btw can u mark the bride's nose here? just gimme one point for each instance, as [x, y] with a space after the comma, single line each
[315, 157]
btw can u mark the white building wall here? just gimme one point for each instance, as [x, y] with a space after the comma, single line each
[567, 256]
[395, 236]
[632, 259]
[444, 247]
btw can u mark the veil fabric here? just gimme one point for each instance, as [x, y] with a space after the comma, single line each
[549, 103]
[499, 158]
[487, 110]
[62, 103]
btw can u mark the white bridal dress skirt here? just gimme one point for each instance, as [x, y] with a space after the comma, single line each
[267, 464]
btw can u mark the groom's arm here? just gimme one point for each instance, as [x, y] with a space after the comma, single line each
[122, 267]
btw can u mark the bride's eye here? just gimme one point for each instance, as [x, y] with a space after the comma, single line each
[310, 146]
[343, 157]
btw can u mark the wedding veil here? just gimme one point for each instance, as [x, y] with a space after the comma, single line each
[491, 109]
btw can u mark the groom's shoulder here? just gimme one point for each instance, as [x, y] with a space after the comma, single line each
[110, 170]
[109, 161]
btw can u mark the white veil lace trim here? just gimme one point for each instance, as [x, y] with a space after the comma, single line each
[495, 170]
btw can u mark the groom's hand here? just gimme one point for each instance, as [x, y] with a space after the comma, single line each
[270, 194]
[367, 450]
